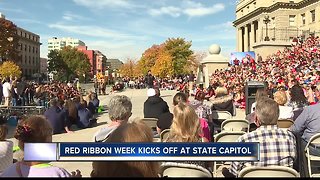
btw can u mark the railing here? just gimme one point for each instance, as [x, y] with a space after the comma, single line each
[286, 34]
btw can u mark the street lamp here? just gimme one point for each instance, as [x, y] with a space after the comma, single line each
[266, 21]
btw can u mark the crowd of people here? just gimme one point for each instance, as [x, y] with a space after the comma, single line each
[291, 91]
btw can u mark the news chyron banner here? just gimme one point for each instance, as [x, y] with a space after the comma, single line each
[141, 152]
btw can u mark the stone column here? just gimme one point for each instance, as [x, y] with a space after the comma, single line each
[252, 36]
[246, 38]
[239, 39]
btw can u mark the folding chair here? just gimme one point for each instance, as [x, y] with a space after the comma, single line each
[226, 136]
[174, 169]
[221, 115]
[235, 125]
[315, 143]
[269, 171]
[151, 122]
[164, 134]
[285, 123]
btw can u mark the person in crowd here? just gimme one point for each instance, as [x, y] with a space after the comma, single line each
[136, 131]
[149, 80]
[186, 128]
[85, 116]
[21, 91]
[286, 112]
[154, 106]
[72, 112]
[202, 110]
[56, 117]
[297, 100]
[222, 101]
[14, 94]
[6, 87]
[35, 129]
[95, 101]
[277, 146]
[164, 122]
[120, 108]
[307, 125]
[6, 153]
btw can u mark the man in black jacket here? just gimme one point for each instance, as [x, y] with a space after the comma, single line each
[21, 88]
[149, 79]
[154, 106]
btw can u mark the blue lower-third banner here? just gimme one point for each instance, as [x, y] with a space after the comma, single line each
[141, 152]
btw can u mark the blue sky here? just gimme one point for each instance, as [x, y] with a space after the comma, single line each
[126, 28]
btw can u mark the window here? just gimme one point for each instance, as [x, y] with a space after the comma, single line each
[313, 15]
[36, 50]
[29, 48]
[25, 59]
[25, 48]
[291, 20]
[273, 21]
[32, 49]
[254, 5]
[303, 19]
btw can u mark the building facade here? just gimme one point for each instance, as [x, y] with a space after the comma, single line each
[59, 43]
[97, 60]
[101, 60]
[43, 66]
[114, 64]
[265, 26]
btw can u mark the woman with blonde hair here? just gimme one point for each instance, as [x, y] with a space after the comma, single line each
[286, 112]
[136, 131]
[186, 127]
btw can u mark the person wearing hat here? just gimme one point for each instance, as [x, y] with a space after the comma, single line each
[154, 106]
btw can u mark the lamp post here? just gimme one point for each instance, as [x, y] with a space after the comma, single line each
[266, 21]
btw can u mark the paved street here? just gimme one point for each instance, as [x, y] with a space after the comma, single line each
[138, 97]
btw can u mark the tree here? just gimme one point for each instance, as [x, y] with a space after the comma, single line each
[68, 62]
[9, 40]
[181, 54]
[164, 65]
[149, 58]
[194, 63]
[130, 69]
[9, 69]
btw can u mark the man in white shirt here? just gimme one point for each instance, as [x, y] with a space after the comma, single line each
[6, 91]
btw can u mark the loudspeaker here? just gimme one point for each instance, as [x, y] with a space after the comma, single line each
[250, 93]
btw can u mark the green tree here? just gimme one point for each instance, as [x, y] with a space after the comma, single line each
[181, 54]
[68, 62]
[9, 69]
[9, 40]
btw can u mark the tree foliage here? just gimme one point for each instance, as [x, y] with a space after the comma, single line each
[128, 68]
[181, 54]
[163, 66]
[9, 40]
[68, 62]
[9, 69]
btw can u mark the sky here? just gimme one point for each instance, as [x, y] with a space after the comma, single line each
[126, 28]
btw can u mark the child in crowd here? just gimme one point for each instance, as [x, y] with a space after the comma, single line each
[6, 147]
[35, 129]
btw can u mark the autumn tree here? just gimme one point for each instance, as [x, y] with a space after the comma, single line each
[181, 54]
[68, 62]
[128, 68]
[9, 40]
[149, 58]
[163, 66]
[9, 69]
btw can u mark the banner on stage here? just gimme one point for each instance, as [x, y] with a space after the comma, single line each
[141, 152]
